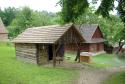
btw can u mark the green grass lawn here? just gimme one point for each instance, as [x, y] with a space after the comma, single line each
[104, 61]
[17, 72]
[70, 56]
[107, 60]
[99, 61]
[118, 78]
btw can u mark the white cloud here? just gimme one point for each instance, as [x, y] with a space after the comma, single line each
[48, 5]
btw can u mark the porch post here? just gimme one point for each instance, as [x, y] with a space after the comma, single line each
[37, 53]
[79, 50]
[54, 56]
[78, 53]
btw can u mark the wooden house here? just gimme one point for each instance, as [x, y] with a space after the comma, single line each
[42, 44]
[94, 40]
[3, 32]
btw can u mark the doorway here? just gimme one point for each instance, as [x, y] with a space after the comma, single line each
[50, 52]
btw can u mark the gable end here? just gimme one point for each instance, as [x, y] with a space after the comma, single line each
[97, 33]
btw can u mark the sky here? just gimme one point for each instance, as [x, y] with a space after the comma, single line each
[40, 5]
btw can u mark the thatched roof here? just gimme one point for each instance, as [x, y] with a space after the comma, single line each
[2, 27]
[87, 31]
[44, 34]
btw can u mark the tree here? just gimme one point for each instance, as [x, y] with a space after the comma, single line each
[71, 9]
[109, 26]
[44, 18]
[120, 38]
[105, 7]
[21, 22]
[108, 5]
[26, 18]
[8, 14]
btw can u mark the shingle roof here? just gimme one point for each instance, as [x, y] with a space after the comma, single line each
[87, 31]
[2, 27]
[44, 34]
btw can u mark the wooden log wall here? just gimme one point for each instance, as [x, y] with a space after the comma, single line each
[42, 54]
[85, 47]
[101, 46]
[26, 52]
[71, 36]
[93, 47]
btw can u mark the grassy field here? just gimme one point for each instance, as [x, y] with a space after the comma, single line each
[107, 60]
[118, 78]
[17, 72]
[99, 61]
[13, 71]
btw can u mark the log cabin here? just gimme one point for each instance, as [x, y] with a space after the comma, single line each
[3, 32]
[94, 40]
[42, 44]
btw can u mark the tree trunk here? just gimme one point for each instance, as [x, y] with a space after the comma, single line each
[120, 46]
[119, 49]
[78, 55]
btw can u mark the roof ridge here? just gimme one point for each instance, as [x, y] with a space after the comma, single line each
[42, 34]
[87, 30]
[52, 26]
[44, 26]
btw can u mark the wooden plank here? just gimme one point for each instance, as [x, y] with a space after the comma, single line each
[30, 55]
[26, 59]
[26, 50]
[27, 53]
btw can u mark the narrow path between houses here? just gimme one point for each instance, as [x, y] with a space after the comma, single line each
[96, 76]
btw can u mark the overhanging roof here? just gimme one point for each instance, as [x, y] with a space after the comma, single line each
[87, 31]
[44, 34]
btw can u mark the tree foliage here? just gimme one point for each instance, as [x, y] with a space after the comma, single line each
[71, 9]
[109, 26]
[21, 21]
[8, 14]
[104, 9]
[121, 9]
[108, 5]
[26, 17]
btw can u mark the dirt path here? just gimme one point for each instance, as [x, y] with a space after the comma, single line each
[96, 76]
[90, 75]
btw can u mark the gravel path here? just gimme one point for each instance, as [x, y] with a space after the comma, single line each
[96, 76]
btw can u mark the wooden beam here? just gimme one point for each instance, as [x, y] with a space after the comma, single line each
[37, 53]
[78, 51]
[58, 48]
[54, 56]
